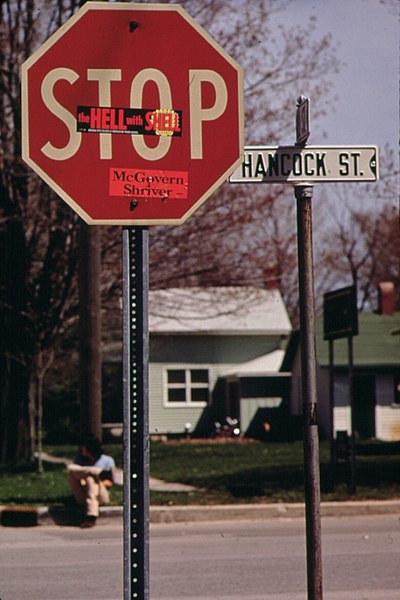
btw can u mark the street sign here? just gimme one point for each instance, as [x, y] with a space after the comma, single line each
[340, 313]
[132, 113]
[302, 120]
[293, 164]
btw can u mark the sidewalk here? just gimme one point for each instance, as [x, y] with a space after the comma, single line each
[155, 484]
[29, 517]
[17, 516]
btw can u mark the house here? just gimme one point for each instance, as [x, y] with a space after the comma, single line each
[209, 350]
[376, 375]
[214, 352]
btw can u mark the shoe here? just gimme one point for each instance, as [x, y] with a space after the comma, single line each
[88, 522]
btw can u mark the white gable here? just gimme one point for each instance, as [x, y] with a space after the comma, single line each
[265, 365]
[218, 310]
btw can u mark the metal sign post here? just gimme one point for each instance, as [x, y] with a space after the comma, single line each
[312, 487]
[309, 391]
[341, 321]
[136, 413]
[332, 478]
[352, 482]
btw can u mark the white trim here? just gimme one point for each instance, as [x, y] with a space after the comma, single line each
[262, 366]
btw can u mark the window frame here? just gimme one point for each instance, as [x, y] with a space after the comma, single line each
[188, 386]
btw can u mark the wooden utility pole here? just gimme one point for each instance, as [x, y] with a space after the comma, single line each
[90, 331]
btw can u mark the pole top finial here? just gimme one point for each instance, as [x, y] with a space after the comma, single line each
[301, 99]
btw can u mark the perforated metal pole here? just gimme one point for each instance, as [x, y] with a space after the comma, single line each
[136, 413]
[303, 195]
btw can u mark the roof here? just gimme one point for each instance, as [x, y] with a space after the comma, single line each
[377, 344]
[266, 365]
[218, 310]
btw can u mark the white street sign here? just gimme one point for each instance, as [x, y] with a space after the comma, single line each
[292, 164]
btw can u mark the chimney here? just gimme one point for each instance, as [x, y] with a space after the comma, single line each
[271, 276]
[386, 298]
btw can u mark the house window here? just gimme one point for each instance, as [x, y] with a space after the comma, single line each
[187, 386]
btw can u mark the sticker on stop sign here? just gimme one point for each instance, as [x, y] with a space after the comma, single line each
[148, 183]
[139, 121]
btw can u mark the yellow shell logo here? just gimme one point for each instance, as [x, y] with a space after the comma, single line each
[165, 121]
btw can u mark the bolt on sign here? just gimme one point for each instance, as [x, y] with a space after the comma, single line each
[132, 113]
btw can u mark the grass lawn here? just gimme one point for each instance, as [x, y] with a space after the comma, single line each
[223, 473]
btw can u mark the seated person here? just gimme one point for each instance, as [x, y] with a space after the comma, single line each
[90, 477]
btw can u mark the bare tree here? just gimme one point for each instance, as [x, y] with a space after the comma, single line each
[38, 251]
[363, 242]
[246, 235]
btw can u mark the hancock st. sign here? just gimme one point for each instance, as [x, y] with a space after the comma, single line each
[291, 164]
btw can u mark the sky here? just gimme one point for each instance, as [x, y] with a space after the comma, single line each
[367, 85]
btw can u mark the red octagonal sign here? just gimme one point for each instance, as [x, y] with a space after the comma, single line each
[132, 113]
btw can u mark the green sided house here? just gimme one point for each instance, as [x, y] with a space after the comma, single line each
[376, 382]
[214, 353]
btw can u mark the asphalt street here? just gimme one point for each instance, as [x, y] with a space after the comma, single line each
[235, 560]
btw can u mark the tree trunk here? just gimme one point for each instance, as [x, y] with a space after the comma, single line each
[17, 414]
[90, 331]
[16, 346]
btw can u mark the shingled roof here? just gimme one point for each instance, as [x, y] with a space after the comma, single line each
[218, 310]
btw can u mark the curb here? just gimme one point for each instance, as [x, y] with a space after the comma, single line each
[184, 514]
[14, 516]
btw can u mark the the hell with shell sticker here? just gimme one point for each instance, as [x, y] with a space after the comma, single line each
[134, 121]
[146, 183]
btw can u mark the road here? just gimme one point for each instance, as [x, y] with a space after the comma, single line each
[209, 561]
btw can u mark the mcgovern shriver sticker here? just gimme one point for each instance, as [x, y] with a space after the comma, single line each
[145, 183]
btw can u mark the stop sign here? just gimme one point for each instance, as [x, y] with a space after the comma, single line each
[132, 113]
